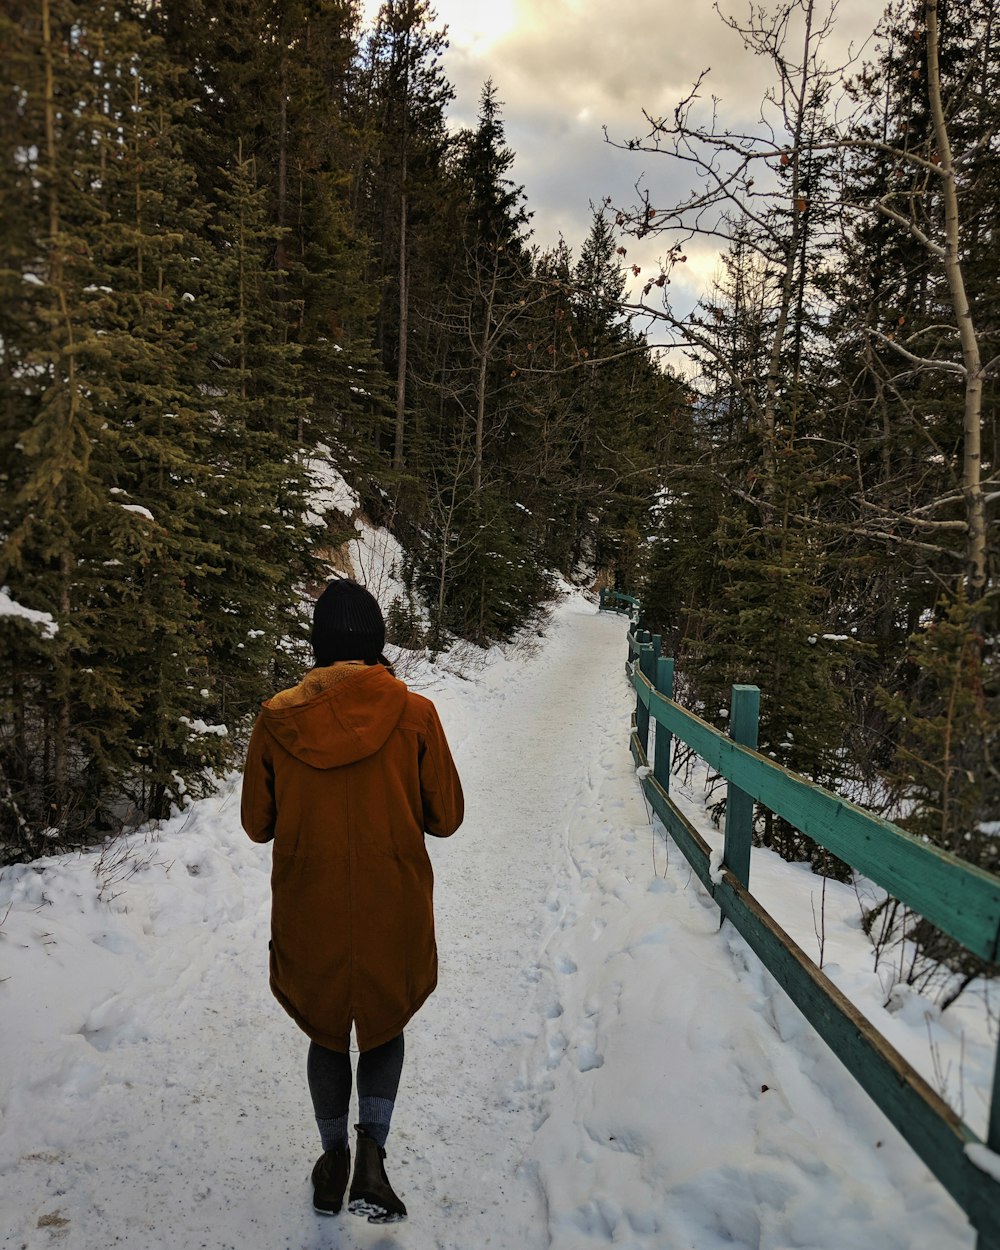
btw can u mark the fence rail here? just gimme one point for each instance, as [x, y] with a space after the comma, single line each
[959, 898]
[615, 601]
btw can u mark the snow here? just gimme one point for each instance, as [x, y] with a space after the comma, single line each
[329, 490]
[198, 726]
[10, 607]
[600, 1065]
[139, 509]
[716, 868]
[984, 1159]
[375, 554]
[377, 558]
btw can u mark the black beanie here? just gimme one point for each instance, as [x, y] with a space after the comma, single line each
[347, 624]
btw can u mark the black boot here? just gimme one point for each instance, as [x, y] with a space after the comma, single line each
[371, 1193]
[329, 1178]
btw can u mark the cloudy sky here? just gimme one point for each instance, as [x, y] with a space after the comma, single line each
[565, 69]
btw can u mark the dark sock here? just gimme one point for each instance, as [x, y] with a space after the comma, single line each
[375, 1115]
[333, 1132]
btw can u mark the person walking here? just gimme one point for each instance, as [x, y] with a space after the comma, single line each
[345, 773]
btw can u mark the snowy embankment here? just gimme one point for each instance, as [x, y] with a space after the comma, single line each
[600, 1064]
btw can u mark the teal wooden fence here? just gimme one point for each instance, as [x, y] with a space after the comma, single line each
[959, 898]
[615, 601]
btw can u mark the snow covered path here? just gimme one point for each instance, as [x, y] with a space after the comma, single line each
[599, 1066]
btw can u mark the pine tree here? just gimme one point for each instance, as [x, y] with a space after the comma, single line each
[945, 715]
[899, 418]
[469, 532]
[406, 94]
[250, 601]
[53, 418]
[138, 335]
[277, 84]
[599, 285]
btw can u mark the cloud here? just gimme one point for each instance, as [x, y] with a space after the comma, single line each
[613, 59]
[566, 69]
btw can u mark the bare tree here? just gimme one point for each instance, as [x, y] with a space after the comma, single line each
[743, 177]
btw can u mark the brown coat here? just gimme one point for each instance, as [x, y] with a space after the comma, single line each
[346, 772]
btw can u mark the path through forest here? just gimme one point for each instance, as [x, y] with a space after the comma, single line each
[599, 1066]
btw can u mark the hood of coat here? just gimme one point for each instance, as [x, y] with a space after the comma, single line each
[336, 715]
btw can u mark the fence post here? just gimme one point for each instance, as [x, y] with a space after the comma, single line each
[743, 718]
[983, 1242]
[649, 669]
[665, 685]
[643, 659]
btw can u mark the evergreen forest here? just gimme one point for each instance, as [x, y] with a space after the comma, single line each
[240, 243]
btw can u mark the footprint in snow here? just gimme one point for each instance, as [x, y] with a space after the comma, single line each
[598, 1218]
[557, 1048]
[565, 965]
[588, 1058]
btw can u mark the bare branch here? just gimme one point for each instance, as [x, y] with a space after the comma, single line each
[946, 500]
[594, 362]
[923, 362]
[917, 522]
[957, 556]
[856, 529]
[924, 240]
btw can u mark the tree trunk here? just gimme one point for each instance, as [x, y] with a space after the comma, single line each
[788, 277]
[282, 156]
[404, 300]
[972, 491]
[442, 584]
[61, 746]
[61, 734]
[484, 352]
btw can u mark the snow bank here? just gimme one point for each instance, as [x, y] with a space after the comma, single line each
[375, 555]
[329, 489]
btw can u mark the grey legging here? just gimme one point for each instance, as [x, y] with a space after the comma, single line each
[330, 1080]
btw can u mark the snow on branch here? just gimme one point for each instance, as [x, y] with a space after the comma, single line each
[199, 726]
[10, 607]
[138, 508]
